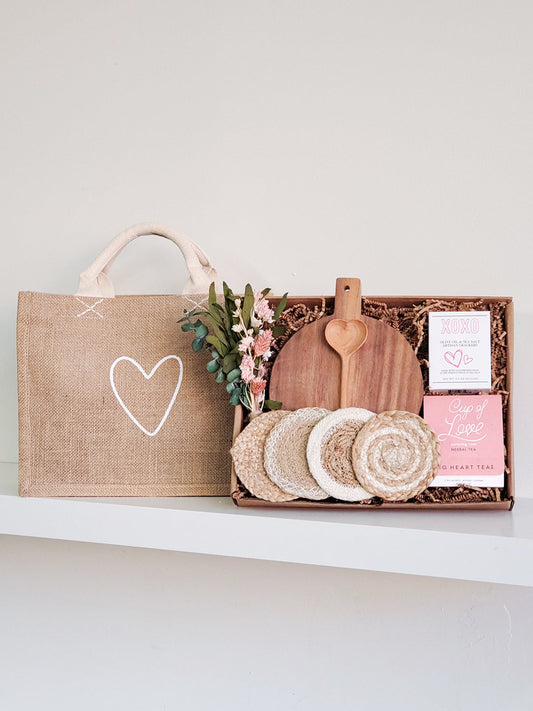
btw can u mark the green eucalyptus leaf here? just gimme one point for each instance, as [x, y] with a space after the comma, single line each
[222, 336]
[229, 363]
[221, 349]
[221, 376]
[272, 405]
[234, 374]
[212, 294]
[218, 332]
[230, 319]
[202, 331]
[217, 316]
[197, 344]
[280, 307]
[247, 304]
[187, 326]
[212, 366]
[235, 398]
[230, 387]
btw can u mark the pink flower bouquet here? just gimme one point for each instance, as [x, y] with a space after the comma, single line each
[238, 335]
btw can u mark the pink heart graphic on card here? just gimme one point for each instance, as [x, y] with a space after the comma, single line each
[454, 358]
[467, 359]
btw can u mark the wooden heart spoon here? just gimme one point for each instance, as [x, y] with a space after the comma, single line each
[346, 333]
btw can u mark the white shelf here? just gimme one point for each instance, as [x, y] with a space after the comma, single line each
[491, 546]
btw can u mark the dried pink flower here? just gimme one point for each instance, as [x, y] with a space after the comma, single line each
[262, 343]
[247, 368]
[262, 308]
[257, 386]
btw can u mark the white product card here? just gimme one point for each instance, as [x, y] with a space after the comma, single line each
[459, 350]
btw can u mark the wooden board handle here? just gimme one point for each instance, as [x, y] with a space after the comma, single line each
[348, 298]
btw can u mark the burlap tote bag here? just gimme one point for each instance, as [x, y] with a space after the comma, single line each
[112, 399]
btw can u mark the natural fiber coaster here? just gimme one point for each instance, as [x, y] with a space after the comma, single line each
[248, 457]
[329, 453]
[396, 455]
[286, 453]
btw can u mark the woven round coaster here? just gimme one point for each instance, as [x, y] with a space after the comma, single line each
[396, 455]
[329, 453]
[248, 457]
[286, 453]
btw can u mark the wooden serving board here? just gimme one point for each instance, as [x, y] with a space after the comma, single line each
[384, 374]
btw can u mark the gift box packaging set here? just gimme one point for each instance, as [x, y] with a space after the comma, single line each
[409, 314]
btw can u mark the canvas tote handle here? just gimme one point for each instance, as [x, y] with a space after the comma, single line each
[95, 280]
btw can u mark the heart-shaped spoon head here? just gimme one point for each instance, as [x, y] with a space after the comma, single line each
[346, 337]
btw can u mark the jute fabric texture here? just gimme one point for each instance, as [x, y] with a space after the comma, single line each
[112, 399]
[286, 453]
[396, 455]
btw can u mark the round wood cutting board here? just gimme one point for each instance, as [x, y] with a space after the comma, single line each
[384, 374]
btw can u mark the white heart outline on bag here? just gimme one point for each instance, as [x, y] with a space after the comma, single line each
[147, 377]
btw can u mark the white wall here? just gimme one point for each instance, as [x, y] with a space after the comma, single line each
[296, 141]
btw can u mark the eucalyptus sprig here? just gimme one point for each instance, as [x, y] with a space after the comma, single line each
[238, 333]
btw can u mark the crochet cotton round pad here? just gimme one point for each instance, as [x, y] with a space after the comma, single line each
[396, 455]
[248, 457]
[329, 453]
[286, 453]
